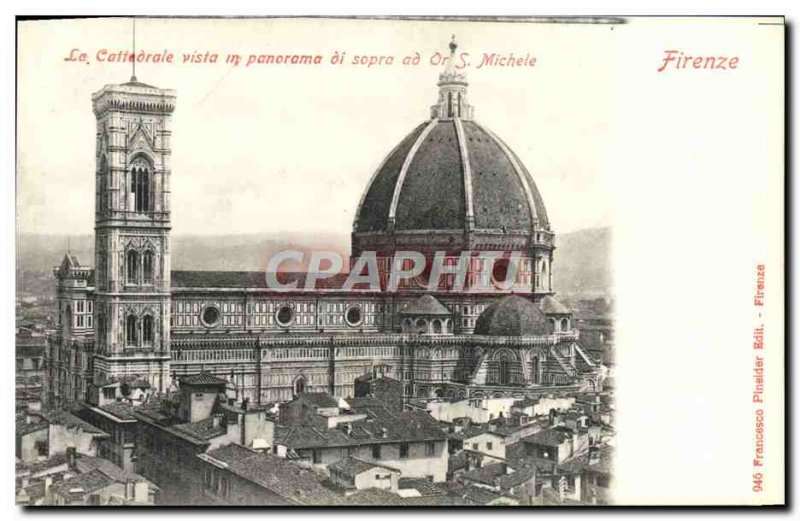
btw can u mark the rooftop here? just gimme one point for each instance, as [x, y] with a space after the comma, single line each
[202, 378]
[83, 483]
[381, 426]
[426, 305]
[290, 481]
[550, 437]
[352, 466]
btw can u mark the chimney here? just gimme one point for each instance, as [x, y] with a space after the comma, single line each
[129, 489]
[48, 481]
[71, 456]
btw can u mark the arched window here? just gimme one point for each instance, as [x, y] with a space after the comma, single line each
[437, 326]
[102, 192]
[300, 386]
[147, 330]
[68, 320]
[505, 371]
[132, 264]
[564, 324]
[535, 369]
[422, 326]
[140, 185]
[147, 267]
[131, 330]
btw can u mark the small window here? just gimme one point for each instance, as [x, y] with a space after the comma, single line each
[316, 456]
[488, 445]
[403, 450]
[353, 316]
[474, 446]
[430, 448]
[285, 315]
[376, 452]
[210, 316]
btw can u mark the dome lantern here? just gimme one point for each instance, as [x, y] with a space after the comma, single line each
[452, 84]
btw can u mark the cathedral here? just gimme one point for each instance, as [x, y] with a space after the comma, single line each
[129, 326]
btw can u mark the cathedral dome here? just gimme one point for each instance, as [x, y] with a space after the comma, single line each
[450, 175]
[512, 316]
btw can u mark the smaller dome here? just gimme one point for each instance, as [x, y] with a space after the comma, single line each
[426, 305]
[512, 316]
[551, 306]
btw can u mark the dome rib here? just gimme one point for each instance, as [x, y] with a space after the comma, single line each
[404, 170]
[523, 178]
[467, 170]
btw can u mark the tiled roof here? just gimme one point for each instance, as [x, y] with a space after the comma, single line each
[252, 279]
[426, 305]
[292, 482]
[518, 477]
[424, 486]
[365, 402]
[480, 495]
[24, 428]
[86, 464]
[70, 420]
[486, 474]
[550, 437]
[121, 410]
[35, 490]
[380, 497]
[382, 426]
[83, 483]
[580, 462]
[352, 466]
[203, 378]
[201, 430]
[54, 461]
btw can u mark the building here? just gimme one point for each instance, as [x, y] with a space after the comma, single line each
[71, 479]
[195, 418]
[30, 370]
[236, 475]
[387, 390]
[500, 478]
[352, 474]
[42, 435]
[116, 419]
[127, 324]
[411, 442]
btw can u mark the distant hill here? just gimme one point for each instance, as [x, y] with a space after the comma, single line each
[582, 265]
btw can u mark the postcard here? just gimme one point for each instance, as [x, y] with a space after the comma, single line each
[400, 261]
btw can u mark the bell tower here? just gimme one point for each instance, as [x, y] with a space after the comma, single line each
[132, 250]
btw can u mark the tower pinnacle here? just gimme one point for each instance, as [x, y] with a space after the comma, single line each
[452, 84]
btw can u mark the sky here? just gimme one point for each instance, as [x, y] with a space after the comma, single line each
[277, 148]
